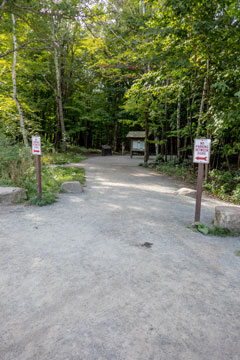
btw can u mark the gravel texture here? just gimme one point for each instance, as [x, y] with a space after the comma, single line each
[113, 274]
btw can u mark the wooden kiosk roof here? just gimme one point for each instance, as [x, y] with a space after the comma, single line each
[136, 135]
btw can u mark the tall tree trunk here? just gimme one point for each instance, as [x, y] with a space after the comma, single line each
[59, 90]
[208, 113]
[86, 135]
[156, 139]
[3, 4]
[115, 137]
[22, 126]
[166, 128]
[186, 135]
[178, 123]
[146, 149]
[162, 138]
[202, 104]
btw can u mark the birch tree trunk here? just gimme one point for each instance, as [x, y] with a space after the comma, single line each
[59, 90]
[179, 123]
[202, 104]
[208, 113]
[3, 4]
[22, 126]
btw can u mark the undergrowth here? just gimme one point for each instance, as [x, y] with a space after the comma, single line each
[215, 231]
[17, 168]
[223, 184]
[62, 158]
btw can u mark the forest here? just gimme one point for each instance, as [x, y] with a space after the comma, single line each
[83, 73]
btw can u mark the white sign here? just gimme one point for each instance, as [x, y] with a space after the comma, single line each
[202, 148]
[138, 145]
[36, 145]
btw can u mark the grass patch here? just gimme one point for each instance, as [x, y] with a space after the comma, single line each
[46, 199]
[52, 179]
[215, 231]
[62, 174]
[62, 158]
[237, 252]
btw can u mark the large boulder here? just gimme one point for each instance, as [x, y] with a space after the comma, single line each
[72, 187]
[12, 195]
[186, 192]
[227, 217]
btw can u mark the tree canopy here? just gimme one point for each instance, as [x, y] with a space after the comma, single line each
[88, 71]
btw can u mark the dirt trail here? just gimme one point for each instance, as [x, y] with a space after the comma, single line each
[77, 284]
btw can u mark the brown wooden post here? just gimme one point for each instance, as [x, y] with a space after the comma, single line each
[199, 192]
[39, 176]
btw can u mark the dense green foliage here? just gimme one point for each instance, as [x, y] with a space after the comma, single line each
[87, 72]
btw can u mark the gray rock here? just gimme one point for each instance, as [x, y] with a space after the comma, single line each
[12, 195]
[186, 192]
[227, 217]
[72, 187]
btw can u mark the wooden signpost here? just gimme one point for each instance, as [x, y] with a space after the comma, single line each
[36, 150]
[202, 148]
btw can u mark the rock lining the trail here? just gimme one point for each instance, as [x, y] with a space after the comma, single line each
[227, 217]
[72, 187]
[12, 195]
[186, 192]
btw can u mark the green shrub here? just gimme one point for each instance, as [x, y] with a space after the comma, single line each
[46, 199]
[180, 171]
[17, 168]
[16, 163]
[215, 231]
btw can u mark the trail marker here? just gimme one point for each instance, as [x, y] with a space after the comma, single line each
[36, 150]
[202, 149]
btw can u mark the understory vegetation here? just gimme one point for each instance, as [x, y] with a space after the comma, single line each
[223, 184]
[214, 231]
[17, 168]
[83, 73]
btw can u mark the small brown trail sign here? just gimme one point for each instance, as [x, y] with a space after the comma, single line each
[202, 149]
[36, 150]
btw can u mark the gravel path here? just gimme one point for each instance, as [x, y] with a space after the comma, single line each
[76, 284]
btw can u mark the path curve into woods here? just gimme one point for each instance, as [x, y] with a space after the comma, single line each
[77, 284]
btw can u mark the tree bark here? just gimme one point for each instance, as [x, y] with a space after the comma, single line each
[146, 149]
[115, 137]
[22, 126]
[202, 104]
[3, 4]
[59, 90]
[179, 123]
[208, 113]
[156, 139]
